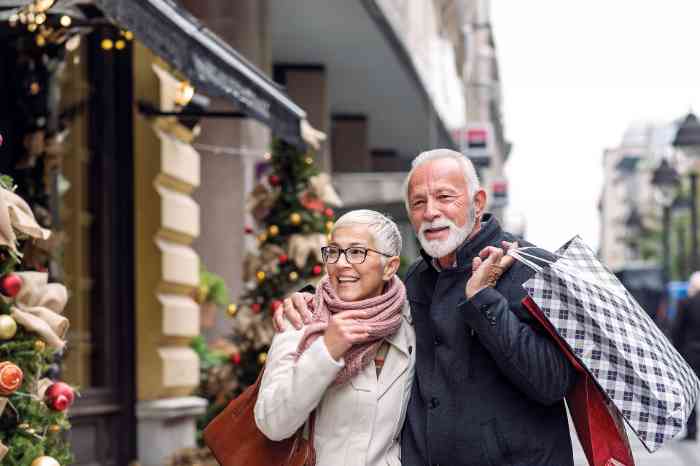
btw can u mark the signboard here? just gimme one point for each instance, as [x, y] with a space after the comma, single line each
[476, 141]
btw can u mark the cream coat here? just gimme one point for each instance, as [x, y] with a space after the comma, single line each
[358, 423]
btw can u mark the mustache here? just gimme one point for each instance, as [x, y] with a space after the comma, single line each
[441, 223]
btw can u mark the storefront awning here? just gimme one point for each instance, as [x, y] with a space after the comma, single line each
[212, 66]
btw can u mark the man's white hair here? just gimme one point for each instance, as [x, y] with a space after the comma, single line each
[385, 233]
[694, 284]
[470, 175]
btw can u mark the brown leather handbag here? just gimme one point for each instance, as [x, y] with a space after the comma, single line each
[235, 440]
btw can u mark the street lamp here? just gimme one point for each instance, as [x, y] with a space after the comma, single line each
[688, 140]
[665, 179]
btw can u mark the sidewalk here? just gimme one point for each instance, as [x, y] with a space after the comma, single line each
[676, 453]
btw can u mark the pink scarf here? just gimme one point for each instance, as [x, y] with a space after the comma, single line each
[383, 317]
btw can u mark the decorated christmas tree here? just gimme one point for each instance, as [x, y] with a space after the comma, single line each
[292, 209]
[33, 407]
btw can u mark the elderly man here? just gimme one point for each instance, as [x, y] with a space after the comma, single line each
[489, 385]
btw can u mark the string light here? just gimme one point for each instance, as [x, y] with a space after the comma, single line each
[66, 21]
[107, 44]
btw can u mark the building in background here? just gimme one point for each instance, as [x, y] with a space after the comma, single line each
[627, 204]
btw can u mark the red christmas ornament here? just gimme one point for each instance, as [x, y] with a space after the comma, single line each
[10, 285]
[317, 269]
[235, 358]
[282, 259]
[10, 378]
[59, 396]
[1, 140]
[274, 180]
[255, 307]
[328, 212]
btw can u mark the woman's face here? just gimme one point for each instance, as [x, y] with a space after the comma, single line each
[354, 282]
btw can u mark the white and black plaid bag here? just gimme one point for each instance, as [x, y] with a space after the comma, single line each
[615, 340]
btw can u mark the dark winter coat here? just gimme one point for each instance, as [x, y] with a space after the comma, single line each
[489, 385]
[686, 331]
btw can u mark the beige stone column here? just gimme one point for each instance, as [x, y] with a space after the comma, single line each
[166, 171]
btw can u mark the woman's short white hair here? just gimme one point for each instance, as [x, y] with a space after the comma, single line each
[694, 284]
[385, 233]
[470, 175]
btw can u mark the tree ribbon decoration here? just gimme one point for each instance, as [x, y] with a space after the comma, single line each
[38, 307]
[3, 448]
[322, 187]
[301, 246]
[15, 214]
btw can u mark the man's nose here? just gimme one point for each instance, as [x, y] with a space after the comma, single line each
[431, 211]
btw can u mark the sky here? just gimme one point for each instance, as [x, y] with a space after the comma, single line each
[575, 75]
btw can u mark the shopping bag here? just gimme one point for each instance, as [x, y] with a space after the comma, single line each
[622, 349]
[598, 424]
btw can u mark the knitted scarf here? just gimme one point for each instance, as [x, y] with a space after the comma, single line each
[383, 318]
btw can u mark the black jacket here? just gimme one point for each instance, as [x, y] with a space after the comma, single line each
[489, 385]
[686, 331]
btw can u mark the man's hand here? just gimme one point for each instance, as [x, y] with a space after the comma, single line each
[344, 330]
[488, 267]
[296, 311]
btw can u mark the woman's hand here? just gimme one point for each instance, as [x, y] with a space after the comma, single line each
[488, 267]
[344, 330]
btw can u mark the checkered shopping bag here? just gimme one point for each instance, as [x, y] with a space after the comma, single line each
[614, 339]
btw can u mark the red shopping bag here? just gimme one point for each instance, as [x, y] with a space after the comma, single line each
[598, 424]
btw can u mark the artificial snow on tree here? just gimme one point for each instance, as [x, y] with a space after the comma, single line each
[32, 330]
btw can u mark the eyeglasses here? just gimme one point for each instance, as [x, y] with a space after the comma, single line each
[353, 254]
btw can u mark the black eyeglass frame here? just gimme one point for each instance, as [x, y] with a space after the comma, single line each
[342, 251]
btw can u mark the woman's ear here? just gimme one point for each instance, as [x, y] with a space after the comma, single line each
[391, 267]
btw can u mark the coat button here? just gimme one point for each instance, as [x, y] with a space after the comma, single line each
[410, 349]
[434, 403]
[437, 341]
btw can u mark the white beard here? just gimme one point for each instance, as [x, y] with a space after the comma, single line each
[438, 248]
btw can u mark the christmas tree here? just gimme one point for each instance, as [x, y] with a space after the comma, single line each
[292, 208]
[32, 330]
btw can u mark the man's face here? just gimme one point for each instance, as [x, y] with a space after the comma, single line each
[440, 210]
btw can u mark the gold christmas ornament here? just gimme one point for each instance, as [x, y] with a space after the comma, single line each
[107, 44]
[329, 225]
[262, 358]
[295, 218]
[39, 346]
[262, 237]
[309, 160]
[45, 461]
[293, 276]
[8, 327]
[202, 293]
[54, 428]
[260, 276]
[231, 310]
[274, 230]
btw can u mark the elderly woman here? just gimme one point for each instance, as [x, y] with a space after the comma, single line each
[354, 363]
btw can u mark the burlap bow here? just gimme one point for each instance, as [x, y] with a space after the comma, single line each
[15, 214]
[38, 306]
[260, 201]
[301, 246]
[322, 187]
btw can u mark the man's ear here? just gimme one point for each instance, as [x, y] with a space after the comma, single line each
[391, 267]
[479, 202]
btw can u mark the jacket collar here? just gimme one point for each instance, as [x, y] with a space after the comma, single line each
[489, 233]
